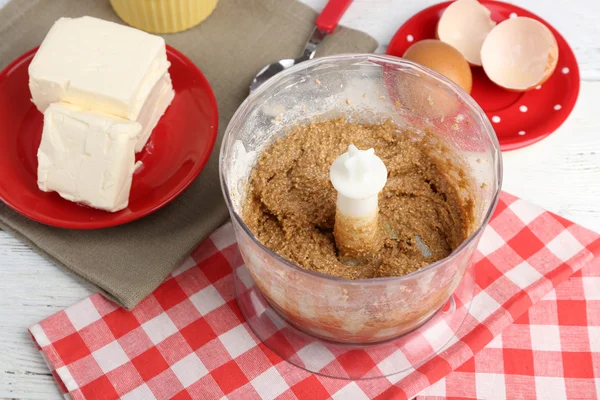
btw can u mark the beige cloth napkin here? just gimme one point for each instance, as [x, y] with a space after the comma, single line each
[239, 38]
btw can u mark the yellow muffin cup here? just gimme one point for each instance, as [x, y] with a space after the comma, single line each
[163, 16]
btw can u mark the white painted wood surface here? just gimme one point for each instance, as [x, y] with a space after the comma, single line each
[561, 173]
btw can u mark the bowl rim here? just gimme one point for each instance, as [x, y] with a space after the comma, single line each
[377, 59]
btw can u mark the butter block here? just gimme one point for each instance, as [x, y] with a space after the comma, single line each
[158, 101]
[97, 65]
[87, 157]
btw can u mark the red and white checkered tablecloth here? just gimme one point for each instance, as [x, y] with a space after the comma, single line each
[550, 352]
[188, 340]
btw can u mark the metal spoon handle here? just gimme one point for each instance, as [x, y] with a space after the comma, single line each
[326, 23]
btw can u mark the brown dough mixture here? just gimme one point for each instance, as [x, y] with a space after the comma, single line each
[290, 205]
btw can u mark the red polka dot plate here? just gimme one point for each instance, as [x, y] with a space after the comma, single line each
[519, 119]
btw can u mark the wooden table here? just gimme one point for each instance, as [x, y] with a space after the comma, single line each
[560, 173]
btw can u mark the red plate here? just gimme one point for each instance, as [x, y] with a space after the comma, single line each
[519, 119]
[175, 154]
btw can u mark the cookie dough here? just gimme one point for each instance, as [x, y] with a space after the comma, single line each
[291, 204]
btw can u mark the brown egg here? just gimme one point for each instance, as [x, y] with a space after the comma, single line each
[442, 58]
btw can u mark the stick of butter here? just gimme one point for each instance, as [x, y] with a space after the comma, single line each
[87, 156]
[103, 66]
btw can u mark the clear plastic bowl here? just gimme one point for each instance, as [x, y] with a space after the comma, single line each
[368, 88]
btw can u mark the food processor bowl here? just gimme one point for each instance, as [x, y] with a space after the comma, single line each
[366, 88]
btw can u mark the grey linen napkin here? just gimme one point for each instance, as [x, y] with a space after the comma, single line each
[128, 262]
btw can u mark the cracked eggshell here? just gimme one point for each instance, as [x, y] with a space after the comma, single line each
[464, 25]
[519, 54]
